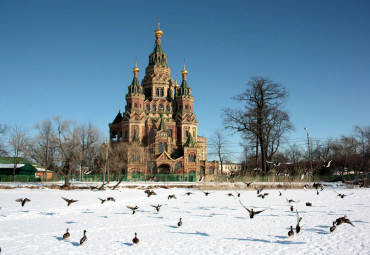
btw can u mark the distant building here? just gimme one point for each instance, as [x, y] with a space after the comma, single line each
[23, 167]
[159, 122]
[228, 166]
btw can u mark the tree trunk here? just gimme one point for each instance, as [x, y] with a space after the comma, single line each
[67, 184]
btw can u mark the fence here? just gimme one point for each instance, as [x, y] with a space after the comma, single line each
[180, 178]
[100, 178]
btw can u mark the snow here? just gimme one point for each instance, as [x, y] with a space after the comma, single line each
[214, 224]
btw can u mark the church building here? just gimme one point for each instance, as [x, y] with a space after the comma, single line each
[159, 125]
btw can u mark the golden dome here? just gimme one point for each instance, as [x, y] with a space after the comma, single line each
[136, 69]
[158, 32]
[184, 71]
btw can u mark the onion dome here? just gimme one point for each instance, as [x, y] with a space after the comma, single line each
[135, 84]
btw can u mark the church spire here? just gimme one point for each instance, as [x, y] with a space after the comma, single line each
[135, 70]
[135, 84]
[184, 88]
[158, 57]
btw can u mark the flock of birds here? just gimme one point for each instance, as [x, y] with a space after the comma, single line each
[252, 213]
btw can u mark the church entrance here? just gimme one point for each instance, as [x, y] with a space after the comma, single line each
[164, 169]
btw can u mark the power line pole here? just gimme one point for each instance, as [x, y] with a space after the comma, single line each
[309, 149]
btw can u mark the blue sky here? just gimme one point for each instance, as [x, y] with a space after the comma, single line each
[75, 58]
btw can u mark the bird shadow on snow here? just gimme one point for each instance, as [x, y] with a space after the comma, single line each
[58, 238]
[128, 244]
[48, 213]
[75, 243]
[156, 217]
[318, 231]
[194, 233]
[70, 222]
[105, 217]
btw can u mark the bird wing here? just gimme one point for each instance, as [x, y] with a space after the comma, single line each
[265, 194]
[28, 200]
[244, 206]
[72, 200]
[257, 212]
[260, 195]
[130, 207]
[66, 199]
[19, 200]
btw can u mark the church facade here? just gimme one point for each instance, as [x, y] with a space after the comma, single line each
[159, 125]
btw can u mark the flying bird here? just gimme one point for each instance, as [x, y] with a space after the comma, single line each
[230, 194]
[69, 201]
[343, 219]
[258, 190]
[133, 209]
[263, 195]
[157, 207]
[23, 201]
[291, 201]
[278, 163]
[172, 196]
[342, 195]
[249, 183]
[102, 200]
[111, 199]
[326, 163]
[251, 211]
[189, 193]
[206, 193]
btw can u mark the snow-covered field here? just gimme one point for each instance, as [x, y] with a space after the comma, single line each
[214, 224]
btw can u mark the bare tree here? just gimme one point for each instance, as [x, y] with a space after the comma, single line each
[3, 131]
[42, 148]
[219, 145]
[18, 141]
[89, 144]
[66, 142]
[263, 101]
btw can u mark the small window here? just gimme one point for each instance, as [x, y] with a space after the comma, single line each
[135, 105]
[186, 107]
[167, 108]
[160, 108]
[153, 108]
[148, 107]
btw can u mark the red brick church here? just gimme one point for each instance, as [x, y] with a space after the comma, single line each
[159, 123]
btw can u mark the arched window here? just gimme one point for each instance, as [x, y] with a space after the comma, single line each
[157, 92]
[186, 107]
[192, 158]
[162, 92]
[211, 170]
[160, 108]
[148, 107]
[153, 108]
[187, 133]
[165, 146]
[135, 105]
[167, 108]
[160, 147]
[178, 165]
